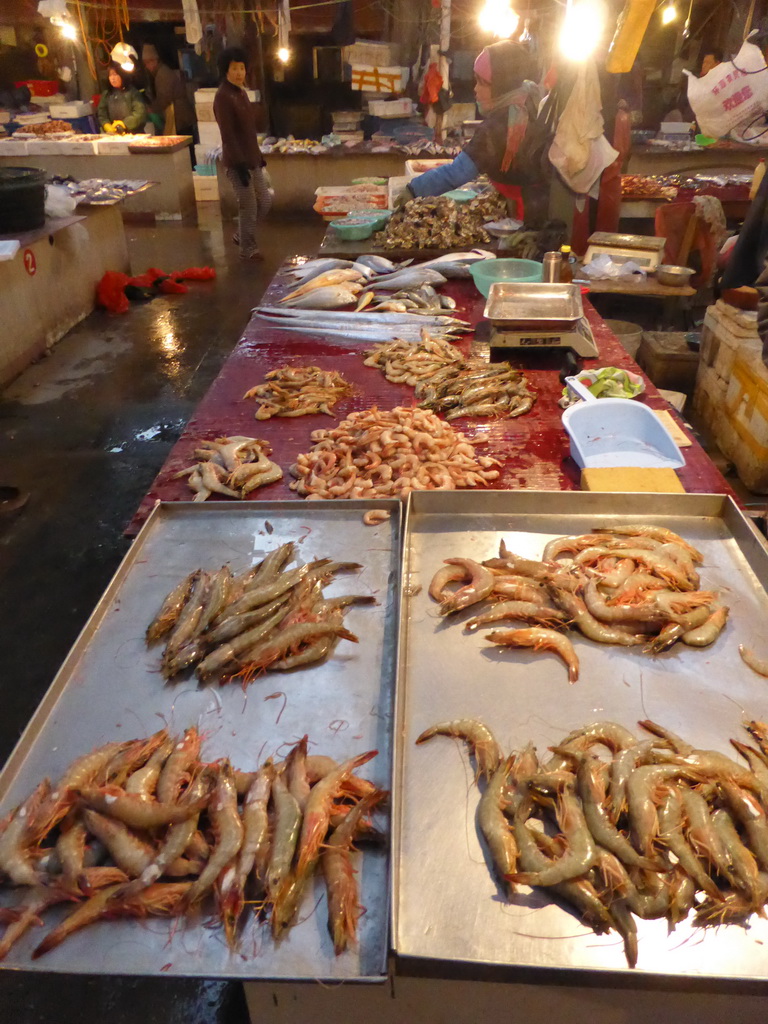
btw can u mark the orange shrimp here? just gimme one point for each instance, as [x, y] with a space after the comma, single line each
[540, 639]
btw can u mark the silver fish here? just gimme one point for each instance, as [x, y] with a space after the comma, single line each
[413, 277]
[312, 268]
[329, 297]
[379, 264]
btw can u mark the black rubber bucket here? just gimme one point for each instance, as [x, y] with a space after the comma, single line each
[22, 199]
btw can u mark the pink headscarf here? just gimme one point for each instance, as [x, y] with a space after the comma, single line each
[483, 66]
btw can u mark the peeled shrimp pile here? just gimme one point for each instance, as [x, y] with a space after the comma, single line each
[298, 391]
[388, 454]
[145, 828]
[232, 466]
[657, 829]
[627, 585]
[268, 618]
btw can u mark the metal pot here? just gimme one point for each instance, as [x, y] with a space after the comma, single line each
[675, 277]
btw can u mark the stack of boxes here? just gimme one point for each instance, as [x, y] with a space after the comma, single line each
[731, 393]
[346, 124]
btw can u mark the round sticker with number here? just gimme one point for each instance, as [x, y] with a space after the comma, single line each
[30, 263]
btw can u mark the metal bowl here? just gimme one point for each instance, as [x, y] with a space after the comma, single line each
[675, 277]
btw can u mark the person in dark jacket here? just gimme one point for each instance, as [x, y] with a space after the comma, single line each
[241, 156]
[170, 107]
[509, 100]
[121, 108]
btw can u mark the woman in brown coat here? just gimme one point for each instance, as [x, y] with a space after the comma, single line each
[241, 156]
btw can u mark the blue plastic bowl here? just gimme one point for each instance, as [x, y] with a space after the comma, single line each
[354, 229]
[486, 272]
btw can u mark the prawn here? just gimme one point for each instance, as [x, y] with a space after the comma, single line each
[227, 828]
[485, 748]
[175, 771]
[343, 890]
[480, 585]
[759, 665]
[540, 639]
[494, 826]
[709, 631]
[526, 610]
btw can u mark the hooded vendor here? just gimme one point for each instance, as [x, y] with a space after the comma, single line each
[508, 101]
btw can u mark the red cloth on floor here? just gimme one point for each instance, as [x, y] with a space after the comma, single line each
[110, 292]
[671, 222]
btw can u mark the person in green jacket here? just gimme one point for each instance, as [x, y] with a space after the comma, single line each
[121, 108]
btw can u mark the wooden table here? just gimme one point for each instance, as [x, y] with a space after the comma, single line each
[533, 449]
[646, 287]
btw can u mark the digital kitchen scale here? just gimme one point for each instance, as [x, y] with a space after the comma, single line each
[538, 315]
[646, 251]
[577, 336]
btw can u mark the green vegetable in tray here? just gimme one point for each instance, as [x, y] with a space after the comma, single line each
[610, 382]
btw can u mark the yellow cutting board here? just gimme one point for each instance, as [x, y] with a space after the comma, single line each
[630, 479]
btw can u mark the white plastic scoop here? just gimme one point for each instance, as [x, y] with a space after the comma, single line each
[610, 432]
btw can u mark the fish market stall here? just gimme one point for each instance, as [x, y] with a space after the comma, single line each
[50, 283]
[532, 449]
[163, 160]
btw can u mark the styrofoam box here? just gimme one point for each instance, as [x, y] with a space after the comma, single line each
[13, 147]
[80, 145]
[112, 145]
[209, 133]
[206, 187]
[76, 109]
[709, 394]
[391, 108]
[44, 147]
[746, 408]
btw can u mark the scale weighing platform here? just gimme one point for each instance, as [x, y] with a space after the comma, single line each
[540, 315]
[646, 251]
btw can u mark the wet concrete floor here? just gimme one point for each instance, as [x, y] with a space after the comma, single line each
[84, 431]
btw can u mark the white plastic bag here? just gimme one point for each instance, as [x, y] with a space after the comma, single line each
[731, 94]
[58, 202]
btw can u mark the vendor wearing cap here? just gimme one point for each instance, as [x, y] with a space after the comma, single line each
[508, 99]
[170, 109]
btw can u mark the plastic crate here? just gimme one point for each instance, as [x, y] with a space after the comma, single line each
[666, 358]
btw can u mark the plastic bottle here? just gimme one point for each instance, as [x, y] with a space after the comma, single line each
[630, 29]
[567, 260]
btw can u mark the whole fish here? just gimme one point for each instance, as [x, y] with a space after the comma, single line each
[312, 268]
[330, 277]
[347, 316]
[329, 297]
[379, 264]
[458, 257]
[413, 277]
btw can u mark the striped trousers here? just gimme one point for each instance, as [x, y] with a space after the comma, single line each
[253, 201]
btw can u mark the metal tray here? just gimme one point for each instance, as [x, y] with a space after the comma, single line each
[513, 302]
[109, 688]
[446, 904]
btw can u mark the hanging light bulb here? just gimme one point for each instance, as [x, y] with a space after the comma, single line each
[283, 54]
[124, 55]
[498, 19]
[668, 13]
[582, 29]
[69, 31]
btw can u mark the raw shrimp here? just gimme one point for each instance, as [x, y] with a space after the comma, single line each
[16, 839]
[485, 748]
[175, 772]
[343, 890]
[287, 827]
[581, 852]
[670, 815]
[135, 810]
[228, 829]
[759, 665]
[480, 585]
[445, 575]
[540, 639]
[170, 609]
[709, 631]
[591, 627]
[495, 828]
[660, 533]
[317, 812]
[525, 610]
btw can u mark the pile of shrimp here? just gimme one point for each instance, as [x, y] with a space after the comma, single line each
[268, 618]
[656, 830]
[387, 454]
[633, 585]
[299, 391]
[406, 362]
[230, 466]
[446, 382]
[146, 828]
